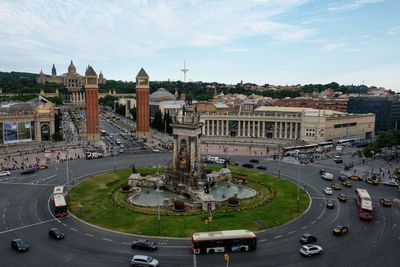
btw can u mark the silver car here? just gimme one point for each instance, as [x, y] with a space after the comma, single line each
[143, 260]
[309, 250]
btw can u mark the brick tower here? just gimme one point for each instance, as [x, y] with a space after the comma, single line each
[92, 105]
[142, 105]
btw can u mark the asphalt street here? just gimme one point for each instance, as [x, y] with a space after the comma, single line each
[25, 212]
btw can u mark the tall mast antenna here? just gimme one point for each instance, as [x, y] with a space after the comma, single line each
[184, 70]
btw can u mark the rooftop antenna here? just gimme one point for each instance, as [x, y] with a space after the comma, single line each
[184, 70]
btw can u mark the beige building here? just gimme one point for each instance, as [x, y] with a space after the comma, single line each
[73, 82]
[26, 121]
[288, 125]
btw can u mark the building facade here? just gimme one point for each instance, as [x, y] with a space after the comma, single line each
[288, 125]
[337, 104]
[385, 108]
[92, 105]
[31, 121]
[72, 81]
[157, 97]
[142, 105]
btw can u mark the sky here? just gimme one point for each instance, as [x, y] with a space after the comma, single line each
[280, 42]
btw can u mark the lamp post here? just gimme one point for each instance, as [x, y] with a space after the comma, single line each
[298, 190]
[115, 159]
[158, 199]
[67, 166]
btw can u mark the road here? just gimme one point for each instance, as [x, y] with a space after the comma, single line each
[25, 213]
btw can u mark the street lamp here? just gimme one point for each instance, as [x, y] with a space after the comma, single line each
[298, 190]
[115, 159]
[158, 199]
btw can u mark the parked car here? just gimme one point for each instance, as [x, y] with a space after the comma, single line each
[327, 176]
[143, 260]
[56, 233]
[232, 163]
[340, 230]
[248, 165]
[321, 171]
[261, 167]
[19, 245]
[346, 184]
[355, 178]
[5, 173]
[391, 183]
[342, 178]
[369, 181]
[308, 239]
[254, 161]
[336, 186]
[330, 204]
[309, 250]
[328, 191]
[220, 161]
[342, 198]
[347, 167]
[386, 202]
[144, 244]
[156, 150]
[29, 171]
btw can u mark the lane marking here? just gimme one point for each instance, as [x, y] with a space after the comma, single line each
[262, 240]
[313, 222]
[107, 239]
[292, 232]
[304, 227]
[37, 216]
[195, 259]
[26, 226]
[278, 236]
[89, 235]
[73, 229]
[175, 246]
[126, 243]
[51, 185]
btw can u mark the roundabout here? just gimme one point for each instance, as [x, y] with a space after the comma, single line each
[101, 201]
[25, 213]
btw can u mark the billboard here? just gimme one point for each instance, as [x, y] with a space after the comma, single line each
[16, 132]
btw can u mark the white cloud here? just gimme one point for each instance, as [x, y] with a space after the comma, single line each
[353, 5]
[46, 30]
[333, 46]
[235, 50]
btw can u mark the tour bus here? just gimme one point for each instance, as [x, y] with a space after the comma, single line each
[60, 206]
[348, 142]
[364, 203]
[223, 241]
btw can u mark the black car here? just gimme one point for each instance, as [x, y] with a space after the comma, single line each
[254, 161]
[322, 171]
[343, 178]
[308, 239]
[248, 165]
[330, 204]
[29, 171]
[19, 245]
[144, 244]
[261, 167]
[56, 233]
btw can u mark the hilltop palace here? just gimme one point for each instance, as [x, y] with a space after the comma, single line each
[73, 82]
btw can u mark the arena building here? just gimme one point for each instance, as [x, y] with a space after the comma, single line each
[26, 121]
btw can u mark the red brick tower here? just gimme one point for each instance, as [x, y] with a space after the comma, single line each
[92, 105]
[142, 105]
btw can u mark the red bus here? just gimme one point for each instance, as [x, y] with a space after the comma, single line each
[364, 204]
[60, 206]
[223, 241]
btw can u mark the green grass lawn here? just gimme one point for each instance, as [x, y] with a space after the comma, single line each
[93, 200]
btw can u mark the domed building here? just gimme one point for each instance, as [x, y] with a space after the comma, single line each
[157, 97]
[73, 82]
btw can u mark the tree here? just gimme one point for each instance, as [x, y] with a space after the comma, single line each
[132, 111]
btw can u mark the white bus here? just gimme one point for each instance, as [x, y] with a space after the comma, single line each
[60, 206]
[364, 202]
[223, 241]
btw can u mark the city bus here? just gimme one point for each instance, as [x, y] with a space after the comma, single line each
[349, 142]
[223, 241]
[364, 203]
[60, 206]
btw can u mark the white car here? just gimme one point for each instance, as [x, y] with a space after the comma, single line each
[156, 150]
[5, 173]
[220, 161]
[327, 176]
[328, 191]
[142, 260]
[309, 250]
